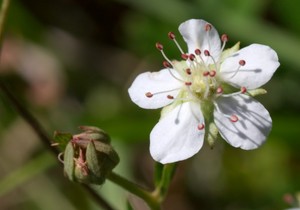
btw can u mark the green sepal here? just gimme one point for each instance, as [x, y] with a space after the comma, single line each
[69, 163]
[230, 51]
[212, 135]
[62, 139]
[94, 165]
[256, 92]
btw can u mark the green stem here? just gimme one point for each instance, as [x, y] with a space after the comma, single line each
[135, 189]
[162, 186]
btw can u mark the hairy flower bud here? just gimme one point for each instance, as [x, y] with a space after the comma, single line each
[88, 156]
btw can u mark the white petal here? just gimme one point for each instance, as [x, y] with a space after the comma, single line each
[176, 136]
[161, 84]
[253, 125]
[261, 63]
[196, 37]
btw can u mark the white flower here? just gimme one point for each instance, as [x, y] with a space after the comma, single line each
[211, 85]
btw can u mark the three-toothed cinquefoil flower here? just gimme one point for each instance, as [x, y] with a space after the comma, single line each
[208, 92]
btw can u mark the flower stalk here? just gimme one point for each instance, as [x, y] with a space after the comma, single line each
[149, 197]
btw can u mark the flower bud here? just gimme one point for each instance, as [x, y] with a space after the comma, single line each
[89, 157]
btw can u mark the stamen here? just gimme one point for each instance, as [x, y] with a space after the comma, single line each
[192, 57]
[219, 90]
[170, 97]
[188, 71]
[224, 38]
[184, 56]
[148, 94]
[197, 51]
[212, 73]
[159, 46]
[166, 64]
[201, 126]
[188, 83]
[206, 53]
[233, 118]
[205, 73]
[243, 89]
[242, 62]
[171, 35]
[208, 27]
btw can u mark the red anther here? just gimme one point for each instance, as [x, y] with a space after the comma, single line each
[200, 126]
[206, 53]
[188, 83]
[243, 89]
[188, 71]
[219, 90]
[212, 73]
[197, 51]
[184, 56]
[148, 94]
[171, 35]
[166, 64]
[207, 27]
[159, 46]
[192, 57]
[205, 73]
[224, 38]
[242, 62]
[234, 118]
[170, 97]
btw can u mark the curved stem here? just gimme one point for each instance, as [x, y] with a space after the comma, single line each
[135, 189]
[36, 126]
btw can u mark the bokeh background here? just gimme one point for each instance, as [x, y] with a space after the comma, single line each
[70, 62]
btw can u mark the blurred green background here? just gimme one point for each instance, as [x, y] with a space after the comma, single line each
[71, 62]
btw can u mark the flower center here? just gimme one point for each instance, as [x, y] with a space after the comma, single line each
[199, 74]
[202, 76]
